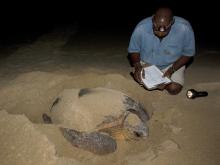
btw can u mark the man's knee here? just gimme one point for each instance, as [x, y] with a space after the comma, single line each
[174, 88]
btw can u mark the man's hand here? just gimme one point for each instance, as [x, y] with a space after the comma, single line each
[176, 65]
[169, 72]
[137, 72]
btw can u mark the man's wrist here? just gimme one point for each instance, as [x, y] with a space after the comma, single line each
[172, 69]
[135, 59]
[137, 64]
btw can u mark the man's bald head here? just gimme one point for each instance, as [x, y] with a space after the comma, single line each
[163, 14]
[162, 21]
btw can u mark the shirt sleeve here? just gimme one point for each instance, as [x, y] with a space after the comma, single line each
[135, 44]
[189, 42]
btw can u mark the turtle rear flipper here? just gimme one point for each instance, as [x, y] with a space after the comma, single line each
[94, 142]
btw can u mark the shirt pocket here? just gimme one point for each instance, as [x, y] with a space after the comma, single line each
[172, 50]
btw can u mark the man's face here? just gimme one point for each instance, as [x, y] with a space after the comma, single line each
[161, 26]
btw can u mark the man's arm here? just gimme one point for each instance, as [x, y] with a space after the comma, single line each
[135, 61]
[177, 65]
[188, 50]
[135, 58]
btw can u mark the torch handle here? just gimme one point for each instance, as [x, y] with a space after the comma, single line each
[202, 94]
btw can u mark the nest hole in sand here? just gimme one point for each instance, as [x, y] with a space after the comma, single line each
[42, 96]
[82, 112]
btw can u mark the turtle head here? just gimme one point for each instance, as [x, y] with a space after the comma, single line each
[138, 131]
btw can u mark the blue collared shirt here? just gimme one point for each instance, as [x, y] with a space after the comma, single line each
[179, 42]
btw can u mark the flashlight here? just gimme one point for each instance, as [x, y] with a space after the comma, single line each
[192, 94]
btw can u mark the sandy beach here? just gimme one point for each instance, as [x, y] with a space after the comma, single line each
[181, 131]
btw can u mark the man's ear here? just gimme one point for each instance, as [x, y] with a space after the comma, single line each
[153, 17]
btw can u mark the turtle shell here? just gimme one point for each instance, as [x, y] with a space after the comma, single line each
[100, 109]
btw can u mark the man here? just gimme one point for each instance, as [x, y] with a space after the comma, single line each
[166, 41]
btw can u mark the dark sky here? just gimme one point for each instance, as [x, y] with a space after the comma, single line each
[30, 18]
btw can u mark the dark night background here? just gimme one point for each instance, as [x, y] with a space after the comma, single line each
[27, 20]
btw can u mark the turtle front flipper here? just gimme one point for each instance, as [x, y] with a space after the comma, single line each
[94, 142]
[136, 108]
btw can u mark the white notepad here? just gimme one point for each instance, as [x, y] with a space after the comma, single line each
[153, 77]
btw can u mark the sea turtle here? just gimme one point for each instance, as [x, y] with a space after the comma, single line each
[94, 118]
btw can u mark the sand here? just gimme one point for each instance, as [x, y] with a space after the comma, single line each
[181, 131]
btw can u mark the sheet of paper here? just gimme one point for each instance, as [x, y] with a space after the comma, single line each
[154, 77]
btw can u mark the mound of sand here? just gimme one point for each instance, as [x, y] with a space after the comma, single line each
[21, 143]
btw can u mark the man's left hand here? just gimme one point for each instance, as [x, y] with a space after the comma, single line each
[168, 73]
